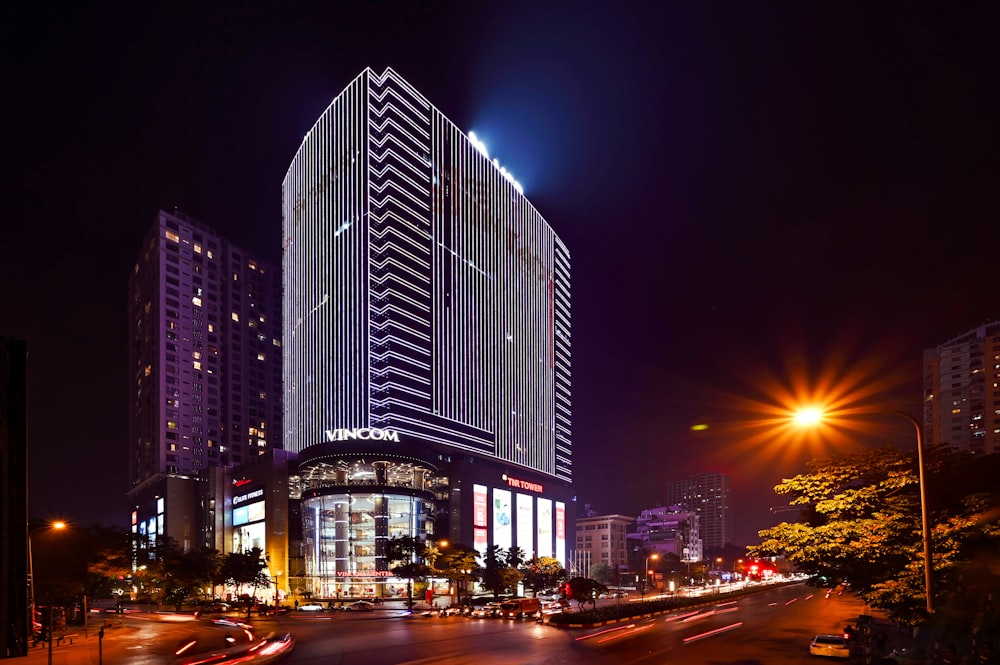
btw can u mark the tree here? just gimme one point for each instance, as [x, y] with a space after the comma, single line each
[405, 555]
[186, 574]
[543, 573]
[603, 573]
[246, 569]
[584, 590]
[859, 521]
[498, 575]
[458, 563]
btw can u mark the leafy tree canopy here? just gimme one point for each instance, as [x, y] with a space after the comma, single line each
[860, 522]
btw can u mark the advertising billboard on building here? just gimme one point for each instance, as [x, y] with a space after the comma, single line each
[544, 527]
[526, 525]
[502, 519]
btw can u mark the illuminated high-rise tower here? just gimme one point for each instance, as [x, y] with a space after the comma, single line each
[709, 495]
[204, 370]
[960, 406]
[426, 329]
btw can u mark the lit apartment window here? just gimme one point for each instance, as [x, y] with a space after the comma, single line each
[209, 254]
[171, 424]
[236, 277]
[197, 248]
[196, 355]
[196, 301]
[236, 317]
[276, 342]
[197, 365]
[253, 266]
[173, 236]
[260, 356]
[211, 327]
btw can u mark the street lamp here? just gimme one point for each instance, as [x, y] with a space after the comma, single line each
[813, 416]
[55, 526]
[654, 557]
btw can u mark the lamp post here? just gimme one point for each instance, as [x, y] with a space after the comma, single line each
[56, 526]
[654, 557]
[813, 416]
[925, 532]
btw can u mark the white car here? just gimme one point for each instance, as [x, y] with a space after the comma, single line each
[311, 607]
[834, 646]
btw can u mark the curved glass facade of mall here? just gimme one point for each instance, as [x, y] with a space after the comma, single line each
[426, 302]
[351, 505]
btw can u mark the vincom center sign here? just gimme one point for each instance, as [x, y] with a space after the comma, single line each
[361, 434]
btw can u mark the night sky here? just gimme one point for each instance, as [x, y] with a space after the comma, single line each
[759, 198]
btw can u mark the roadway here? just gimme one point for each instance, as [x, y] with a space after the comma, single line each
[773, 628]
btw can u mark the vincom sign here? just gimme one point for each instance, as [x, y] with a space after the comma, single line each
[362, 434]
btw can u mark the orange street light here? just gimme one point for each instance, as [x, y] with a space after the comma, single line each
[55, 526]
[812, 416]
[654, 557]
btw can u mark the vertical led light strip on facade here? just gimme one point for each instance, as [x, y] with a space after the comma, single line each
[423, 292]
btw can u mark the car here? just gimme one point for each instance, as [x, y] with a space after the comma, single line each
[360, 606]
[834, 646]
[271, 647]
[487, 611]
[311, 607]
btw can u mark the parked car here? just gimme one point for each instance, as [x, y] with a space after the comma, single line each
[311, 607]
[834, 646]
[360, 606]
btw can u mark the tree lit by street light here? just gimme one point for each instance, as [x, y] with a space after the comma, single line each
[811, 416]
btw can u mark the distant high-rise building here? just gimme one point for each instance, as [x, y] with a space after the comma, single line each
[204, 368]
[708, 495]
[961, 402]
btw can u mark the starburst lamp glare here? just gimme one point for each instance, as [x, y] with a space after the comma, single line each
[808, 417]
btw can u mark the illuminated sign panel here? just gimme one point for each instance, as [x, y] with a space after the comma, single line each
[525, 524]
[480, 539]
[523, 484]
[544, 527]
[253, 512]
[248, 536]
[362, 434]
[480, 506]
[561, 531]
[502, 521]
[246, 497]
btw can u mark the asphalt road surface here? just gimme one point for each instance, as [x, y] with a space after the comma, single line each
[772, 627]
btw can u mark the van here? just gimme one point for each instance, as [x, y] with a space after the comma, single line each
[520, 608]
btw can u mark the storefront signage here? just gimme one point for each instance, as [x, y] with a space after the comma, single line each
[240, 482]
[362, 433]
[367, 573]
[256, 494]
[523, 484]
